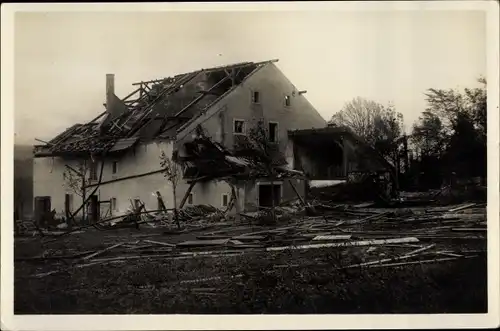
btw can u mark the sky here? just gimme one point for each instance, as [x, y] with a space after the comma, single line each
[61, 59]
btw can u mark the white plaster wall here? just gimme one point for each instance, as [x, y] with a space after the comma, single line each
[48, 181]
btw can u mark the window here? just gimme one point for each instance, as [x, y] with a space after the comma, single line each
[239, 126]
[225, 200]
[288, 101]
[190, 199]
[115, 165]
[255, 97]
[273, 132]
[113, 204]
[93, 170]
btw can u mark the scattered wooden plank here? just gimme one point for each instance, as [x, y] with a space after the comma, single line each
[364, 205]
[347, 244]
[452, 238]
[54, 257]
[235, 242]
[230, 229]
[374, 217]
[195, 243]
[333, 237]
[449, 254]
[208, 279]
[255, 233]
[406, 256]
[466, 206]
[469, 229]
[159, 243]
[212, 237]
[413, 262]
[102, 251]
[286, 228]
[227, 251]
[249, 237]
[249, 246]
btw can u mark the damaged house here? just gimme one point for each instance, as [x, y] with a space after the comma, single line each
[113, 161]
[117, 154]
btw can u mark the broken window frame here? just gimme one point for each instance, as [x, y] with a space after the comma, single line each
[276, 131]
[256, 97]
[242, 126]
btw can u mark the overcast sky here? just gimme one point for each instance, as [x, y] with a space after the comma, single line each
[61, 59]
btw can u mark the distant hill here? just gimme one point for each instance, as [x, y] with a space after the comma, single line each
[23, 180]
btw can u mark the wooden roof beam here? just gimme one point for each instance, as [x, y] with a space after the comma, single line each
[183, 110]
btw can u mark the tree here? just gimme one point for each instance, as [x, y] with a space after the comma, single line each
[380, 126]
[428, 136]
[76, 181]
[263, 152]
[452, 131]
[172, 171]
[464, 116]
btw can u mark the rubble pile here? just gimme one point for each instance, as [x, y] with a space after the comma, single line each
[193, 213]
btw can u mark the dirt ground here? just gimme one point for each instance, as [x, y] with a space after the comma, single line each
[153, 280]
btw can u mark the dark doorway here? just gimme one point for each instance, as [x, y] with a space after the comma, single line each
[266, 194]
[94, 208]
[42, 210]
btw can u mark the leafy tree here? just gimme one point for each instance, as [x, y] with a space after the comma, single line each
[380, 126]
[428, 135]
[452, 131]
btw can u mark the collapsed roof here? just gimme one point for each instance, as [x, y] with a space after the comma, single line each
[155, 109]
[204, 159]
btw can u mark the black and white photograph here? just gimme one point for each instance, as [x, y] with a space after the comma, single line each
[224, 159]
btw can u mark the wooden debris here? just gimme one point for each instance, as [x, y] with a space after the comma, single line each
[211, 237]
[159, 243]
[469, 229]
[102, 251]
[333, 237]
[216, 242]
[249, 237]
[208, 279]
[364, 205]
[413, 262]
[406, 256]
[466, 206]
[347, 244]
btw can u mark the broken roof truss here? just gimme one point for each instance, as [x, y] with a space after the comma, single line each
[155, 109]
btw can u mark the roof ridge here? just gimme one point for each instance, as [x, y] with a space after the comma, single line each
[210, 69]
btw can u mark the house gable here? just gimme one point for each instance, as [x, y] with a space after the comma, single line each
[272, 87]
